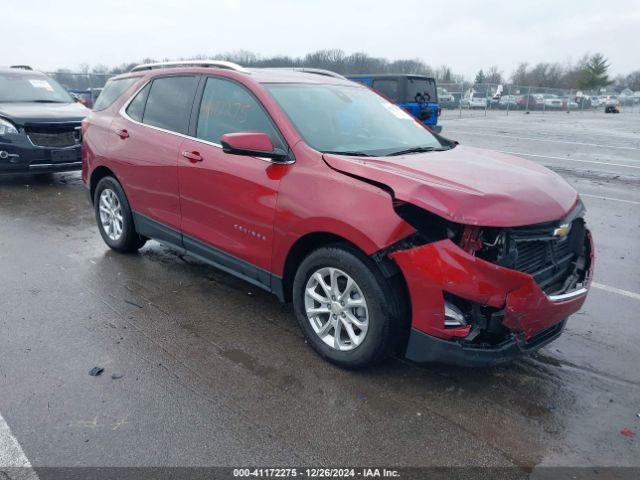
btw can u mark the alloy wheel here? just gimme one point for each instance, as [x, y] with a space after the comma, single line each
[336, 308]
[111, 214]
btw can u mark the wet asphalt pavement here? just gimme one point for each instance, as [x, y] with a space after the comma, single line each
[204, 369]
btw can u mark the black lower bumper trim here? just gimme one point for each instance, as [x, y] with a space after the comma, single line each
[425, 348]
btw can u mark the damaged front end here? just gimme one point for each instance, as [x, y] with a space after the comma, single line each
[483, 295]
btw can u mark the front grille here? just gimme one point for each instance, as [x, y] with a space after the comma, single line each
[556, 262]
[549, 259]
[54, 135]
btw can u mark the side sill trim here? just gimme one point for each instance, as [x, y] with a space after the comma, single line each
[210, 255]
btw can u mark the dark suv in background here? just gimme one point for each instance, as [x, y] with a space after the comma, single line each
[39, 123]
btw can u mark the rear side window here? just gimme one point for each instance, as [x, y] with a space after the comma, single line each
[169, 103]
[112, 90]
[135, 110]
[389, 88]
[229, 108]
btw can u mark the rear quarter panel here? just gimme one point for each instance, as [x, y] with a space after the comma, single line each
[98, 139]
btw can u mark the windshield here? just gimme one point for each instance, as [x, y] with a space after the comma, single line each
[21, 87]
[350, 120]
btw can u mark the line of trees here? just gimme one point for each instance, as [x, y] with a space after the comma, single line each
[335, 60]
[589, 73]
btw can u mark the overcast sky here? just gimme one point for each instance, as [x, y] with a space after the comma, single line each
[466, 35]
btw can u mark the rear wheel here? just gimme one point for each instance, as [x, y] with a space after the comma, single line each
[341, 306]
[114, 217]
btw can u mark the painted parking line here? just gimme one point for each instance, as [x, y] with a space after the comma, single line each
[618, 291]
[14, 464]
[632, 202]
[548, 140]
[569, 159]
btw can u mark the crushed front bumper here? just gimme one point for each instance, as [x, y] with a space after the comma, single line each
[531, 317]
[427, 348]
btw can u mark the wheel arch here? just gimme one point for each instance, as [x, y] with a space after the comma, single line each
[303, 247]
[98, 174]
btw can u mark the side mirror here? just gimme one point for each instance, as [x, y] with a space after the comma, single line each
[254, 144]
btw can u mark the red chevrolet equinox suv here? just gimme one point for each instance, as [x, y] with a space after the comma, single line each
[386, 237]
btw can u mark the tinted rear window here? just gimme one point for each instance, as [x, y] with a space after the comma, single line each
[112, 90]
[421, 87]
[169, 103]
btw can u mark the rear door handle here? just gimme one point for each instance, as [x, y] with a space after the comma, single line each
[122, 133]
[192, 156]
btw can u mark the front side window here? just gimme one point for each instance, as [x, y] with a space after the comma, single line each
[112, 90]
[388, 88]
[31, 87]
[349, 119]
[229, 108]
[169, 103]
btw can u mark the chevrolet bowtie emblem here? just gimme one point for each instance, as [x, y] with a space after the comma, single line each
[562, 230]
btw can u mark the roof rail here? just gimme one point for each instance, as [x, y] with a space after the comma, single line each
[21, 67]
[316, 71]
[191, 63]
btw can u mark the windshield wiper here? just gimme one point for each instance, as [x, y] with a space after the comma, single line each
[47, 101]
[417, 150]
[348, 153]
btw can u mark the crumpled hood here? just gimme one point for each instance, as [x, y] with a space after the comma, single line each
[21, 113]
[468, 185]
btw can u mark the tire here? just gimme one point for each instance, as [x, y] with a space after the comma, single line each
[120, 235]
[383, 327]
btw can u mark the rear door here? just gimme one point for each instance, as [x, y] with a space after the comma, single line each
[228, 201]
[151, 129]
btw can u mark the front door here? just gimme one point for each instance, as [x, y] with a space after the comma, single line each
[228, 201]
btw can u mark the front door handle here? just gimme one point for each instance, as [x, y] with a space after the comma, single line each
[192, 156]
[122, 133]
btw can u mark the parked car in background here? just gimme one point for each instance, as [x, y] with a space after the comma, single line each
[386, 237]
[508, 101]
[530, 102]
[446, 99]
[583, 102]
[39, 123]
[569, 103]
[597, 101]
[416, 94]
[85, 97]
[474, 100]
[551, 101]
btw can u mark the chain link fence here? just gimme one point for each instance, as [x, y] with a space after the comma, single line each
[456, 99]
[469, 100]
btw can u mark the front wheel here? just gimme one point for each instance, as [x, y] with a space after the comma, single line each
[114, 217]
[341, 306]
